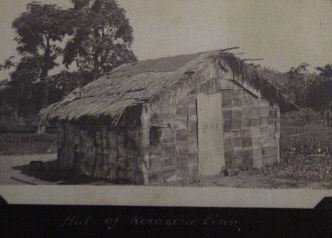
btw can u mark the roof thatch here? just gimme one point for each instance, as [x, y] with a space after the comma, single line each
[139, 82]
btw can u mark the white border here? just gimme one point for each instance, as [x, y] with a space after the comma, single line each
[162, 196]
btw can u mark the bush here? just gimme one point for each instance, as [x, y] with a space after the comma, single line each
[306, 139]
[299, 118]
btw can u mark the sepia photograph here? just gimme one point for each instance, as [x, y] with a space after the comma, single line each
[184, 97]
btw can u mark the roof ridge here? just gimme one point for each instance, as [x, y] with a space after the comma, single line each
[132, 84]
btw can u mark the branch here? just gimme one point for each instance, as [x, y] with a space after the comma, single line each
[252, 59]
[231, 48]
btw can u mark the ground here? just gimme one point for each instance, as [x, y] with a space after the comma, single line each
[306, 162]
[26, 143]
[14, 169]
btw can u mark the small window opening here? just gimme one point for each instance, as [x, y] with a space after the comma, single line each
[155, 135]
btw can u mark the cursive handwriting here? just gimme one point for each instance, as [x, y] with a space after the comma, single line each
[113, 221]
[77, 221]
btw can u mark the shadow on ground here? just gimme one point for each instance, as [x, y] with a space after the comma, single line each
[297, 172]
[50, 173]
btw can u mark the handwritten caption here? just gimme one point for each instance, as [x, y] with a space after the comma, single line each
[111, 222]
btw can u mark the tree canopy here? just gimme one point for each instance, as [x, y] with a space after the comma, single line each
[102, 37]
[93, 35]
[326, 71]
[40, 30]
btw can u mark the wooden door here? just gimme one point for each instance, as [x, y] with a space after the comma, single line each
[210, 134]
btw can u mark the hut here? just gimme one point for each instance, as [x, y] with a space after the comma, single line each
[178, 118]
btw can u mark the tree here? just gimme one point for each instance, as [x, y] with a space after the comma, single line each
[297, 81]
[102, 37]
[94, 34]
[326, 71]
[39, 31]
[8, 64]
[320, 91]
[319, 95]
[299, 70]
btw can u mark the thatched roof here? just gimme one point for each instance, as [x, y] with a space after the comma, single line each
[139, 82]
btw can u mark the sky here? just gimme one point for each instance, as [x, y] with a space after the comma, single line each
[284, 33]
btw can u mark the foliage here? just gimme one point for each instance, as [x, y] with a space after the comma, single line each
[305, 156]
[300, 85]
[39, 27]
[275, 77]
[95, 34]
[39, 31]
[8, 64]
[63, 83]
[301, 170]
[326, 71]
[319, 95]
[298, 71]
[300, 118]
[296, 85]
[320, 91]
[102, 37]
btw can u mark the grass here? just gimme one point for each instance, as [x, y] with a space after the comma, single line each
[303, 168]
[310, 138]
[306, 156]
[20, 144]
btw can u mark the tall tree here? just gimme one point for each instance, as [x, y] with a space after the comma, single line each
[299, 71]
[326, 71]
[102, 37]
[39, 31]
[297, 81]
[320, 91]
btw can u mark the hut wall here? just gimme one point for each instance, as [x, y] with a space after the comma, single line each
[251, 128]
[251, 131]
[66, 146]
[174, 155]
[97, 149]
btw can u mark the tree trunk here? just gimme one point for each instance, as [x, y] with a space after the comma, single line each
[95, 71]
[96, 54]
[3, 107]
[44, 74]
[44, 79]
[16, 107]
[45, 94]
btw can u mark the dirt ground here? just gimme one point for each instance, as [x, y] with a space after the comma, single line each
[14, 169]
[17, 170]
[306, 162]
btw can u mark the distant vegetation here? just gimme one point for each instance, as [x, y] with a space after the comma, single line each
[311, 91]
[86, 40]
